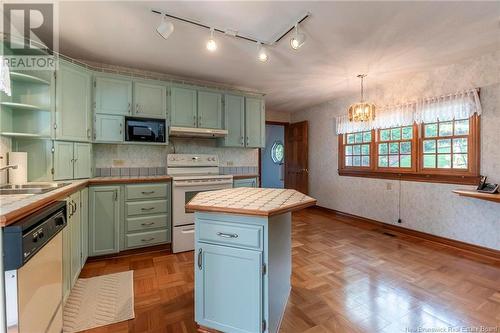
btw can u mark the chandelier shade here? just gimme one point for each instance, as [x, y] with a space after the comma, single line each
[362, 111]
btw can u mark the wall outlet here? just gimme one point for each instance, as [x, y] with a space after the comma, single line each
[118, 163]
[388, 186]
[229, 163]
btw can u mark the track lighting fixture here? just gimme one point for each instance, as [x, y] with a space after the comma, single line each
[211, 44]
[166, 27]
[298, 38]
[262, 52]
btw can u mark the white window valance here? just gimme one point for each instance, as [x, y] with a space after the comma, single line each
[460, 105]
[4, 77]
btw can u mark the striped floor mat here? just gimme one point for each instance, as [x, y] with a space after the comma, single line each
[99, 301]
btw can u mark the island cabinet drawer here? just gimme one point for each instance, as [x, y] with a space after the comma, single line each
[147, 238]
[146, 222]
[244, 236]
[146, 207]
[146, 191]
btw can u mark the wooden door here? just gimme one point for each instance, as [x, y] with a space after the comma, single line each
[108, 128]
[113, 95]
[183, 107]
[63, 160]
[255, 119]
[104, 220]
[234, 121]
[296, 157]
[83, 158]
[150, 100]
[209, 109]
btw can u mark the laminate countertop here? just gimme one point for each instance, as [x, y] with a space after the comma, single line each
[250, 201]
[246, 175]
[16, 206]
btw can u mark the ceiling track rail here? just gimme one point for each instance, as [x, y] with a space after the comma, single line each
[236, 35]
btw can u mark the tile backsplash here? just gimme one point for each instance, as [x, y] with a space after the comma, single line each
[130, 171]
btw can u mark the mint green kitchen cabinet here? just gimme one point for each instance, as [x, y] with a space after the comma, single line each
[66, 261]
[84, 217]
[112, 95]
[108, 128]
[209, 109]
[234, 121]
[105, 216]
[73, 98]
[74, 224]
[255, 119]
[183, 108]
[246, 182]
[72, 160]
[150, 100]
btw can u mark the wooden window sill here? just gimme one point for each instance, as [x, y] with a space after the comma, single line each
[478, 195]
[416, 177]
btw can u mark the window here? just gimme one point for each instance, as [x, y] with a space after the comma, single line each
[278, 152]
[443, 151]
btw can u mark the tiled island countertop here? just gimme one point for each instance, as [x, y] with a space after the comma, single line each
[250, 201]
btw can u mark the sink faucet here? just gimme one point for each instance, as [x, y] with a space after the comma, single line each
[8, 167]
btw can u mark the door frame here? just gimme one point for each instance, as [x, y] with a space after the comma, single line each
[270, 122]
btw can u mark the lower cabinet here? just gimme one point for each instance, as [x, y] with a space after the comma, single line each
[246, 182]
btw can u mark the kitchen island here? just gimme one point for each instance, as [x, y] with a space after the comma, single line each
[243, 257]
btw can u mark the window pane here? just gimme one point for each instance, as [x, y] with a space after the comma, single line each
[444, 161]
[444, 146]
[383, 161]
[348, 150]
[405, 147]
[365, 150]
[367, 136]
[405, 161]
[350, 138]
[356, 150]
[348, 161]
[407, 133]
[429, 146]
[460, 145]
[430, 161]
[358, 137]
[460, 161]
[385, 135]
[396, 134]
[393, 161]
[383, 148]
[446, 129]
[462, 127]
[430, 130]
[356, 161]
[394, 148]
[365, 161]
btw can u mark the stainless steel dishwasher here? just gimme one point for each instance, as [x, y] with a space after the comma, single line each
[33, 271]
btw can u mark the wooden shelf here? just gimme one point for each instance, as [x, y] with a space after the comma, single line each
[478, 195]
[21, 106]
[15, 76]
[25, 135]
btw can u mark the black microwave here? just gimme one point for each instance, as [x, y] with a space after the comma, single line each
[144, 130]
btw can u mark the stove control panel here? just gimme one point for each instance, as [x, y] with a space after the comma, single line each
[187, 160]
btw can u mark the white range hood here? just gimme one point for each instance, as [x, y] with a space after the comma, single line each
[197, 132]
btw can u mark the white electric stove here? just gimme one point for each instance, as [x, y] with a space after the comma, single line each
[191, 173]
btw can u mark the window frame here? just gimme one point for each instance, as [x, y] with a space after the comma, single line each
[342, 153]
[469, 176]
[414, 151]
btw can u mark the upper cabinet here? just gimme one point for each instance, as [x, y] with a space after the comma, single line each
[209, 109]
[112, 95]
[150, 100]
[255, 123]
[183, 107]
[73, 112]
[108, 128]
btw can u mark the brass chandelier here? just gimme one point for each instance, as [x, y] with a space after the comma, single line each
[362, 111]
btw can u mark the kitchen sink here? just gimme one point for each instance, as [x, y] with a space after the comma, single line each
[30, 188]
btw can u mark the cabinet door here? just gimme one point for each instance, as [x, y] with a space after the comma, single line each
[63, 160]
[255, 119]
[75, 230]
[112, 95]
[150, 100]
[73, 111]
[84, 218]
[246, 182]
[104, 220]
[66, 260]
[83, 160]
[183, 108]
[228, 293]
[108, 128]
[209, 109]
[234, 121]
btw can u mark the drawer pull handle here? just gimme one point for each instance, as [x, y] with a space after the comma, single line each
[147, 224]
[147, 209]
[223, 234]
[148, 192]
[148, 239]
[200, 259]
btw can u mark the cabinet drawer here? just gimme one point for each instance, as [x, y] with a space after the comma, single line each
[146, 222]
[146, 207]
[146, 191]
[147, 238]
[229, 234]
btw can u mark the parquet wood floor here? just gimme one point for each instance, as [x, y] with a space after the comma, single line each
[345, 279]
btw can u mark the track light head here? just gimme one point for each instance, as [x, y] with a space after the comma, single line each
[166, 27]
[262, 53]
[298, 38]
[211, 44]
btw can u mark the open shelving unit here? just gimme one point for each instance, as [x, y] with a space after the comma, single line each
[495, 197]
[23, 77]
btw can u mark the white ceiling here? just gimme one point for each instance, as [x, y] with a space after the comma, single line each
[383, 39]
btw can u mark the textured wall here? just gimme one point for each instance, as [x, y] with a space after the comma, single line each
[280, 116]
[426, 207]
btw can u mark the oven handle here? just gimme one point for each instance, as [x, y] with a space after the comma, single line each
[186, 184]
